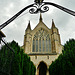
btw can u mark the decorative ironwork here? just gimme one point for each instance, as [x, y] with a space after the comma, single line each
[42, 7]
[38, 6]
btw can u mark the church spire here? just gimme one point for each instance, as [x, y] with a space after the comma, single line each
[53, 25]
[40, 17]
[28, 27]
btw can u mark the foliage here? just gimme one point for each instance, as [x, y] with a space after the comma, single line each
[17, 63]
[65, 64]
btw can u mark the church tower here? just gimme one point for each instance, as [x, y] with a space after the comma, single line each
[43, 45]
[27, 39]
[55, 36]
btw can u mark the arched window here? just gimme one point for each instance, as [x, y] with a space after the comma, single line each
[36, 45]
[33, 45]
[41, 41]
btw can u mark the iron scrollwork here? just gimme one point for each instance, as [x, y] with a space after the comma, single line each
[40, 6]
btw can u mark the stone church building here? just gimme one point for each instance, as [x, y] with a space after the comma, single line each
[43, 45]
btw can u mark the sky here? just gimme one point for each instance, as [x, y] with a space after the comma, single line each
[16, 29]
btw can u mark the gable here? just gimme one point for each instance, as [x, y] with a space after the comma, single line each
[39, 26]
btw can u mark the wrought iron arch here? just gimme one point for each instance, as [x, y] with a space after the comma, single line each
[38, 6]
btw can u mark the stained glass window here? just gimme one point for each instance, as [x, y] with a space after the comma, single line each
[41, 41]
[36, 45]
[39, 45]
[33, 45]
[49, 45]
[43, 45]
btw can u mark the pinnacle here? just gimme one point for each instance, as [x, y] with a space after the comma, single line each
[40, 17]
[29, 27]
[53, 25]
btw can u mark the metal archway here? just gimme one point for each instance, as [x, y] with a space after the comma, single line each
[38, 6]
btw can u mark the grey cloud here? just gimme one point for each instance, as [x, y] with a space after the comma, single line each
[15, 30]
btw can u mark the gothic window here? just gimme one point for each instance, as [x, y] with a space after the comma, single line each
[33, 45]
[40, 45]
[41, 41]
[36, 45]
[49, 45]
[43, 45]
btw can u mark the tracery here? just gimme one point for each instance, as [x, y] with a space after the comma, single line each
[41, 41]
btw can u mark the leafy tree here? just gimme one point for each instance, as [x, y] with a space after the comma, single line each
[18, 63]
[65, 64]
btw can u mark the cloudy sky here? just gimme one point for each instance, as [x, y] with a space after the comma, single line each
[16, 30]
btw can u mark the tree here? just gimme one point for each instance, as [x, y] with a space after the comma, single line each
[18, 63]
[65, 64]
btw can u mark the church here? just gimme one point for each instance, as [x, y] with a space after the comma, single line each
[43, 45]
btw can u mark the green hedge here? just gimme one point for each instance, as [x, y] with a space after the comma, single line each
[65, 64]
[17, 64]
